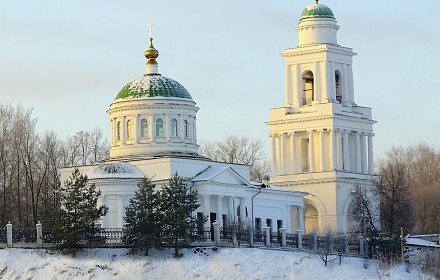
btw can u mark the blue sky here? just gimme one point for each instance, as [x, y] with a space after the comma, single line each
[69, 59]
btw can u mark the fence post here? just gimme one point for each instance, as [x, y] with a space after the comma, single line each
[9, 234]
[251, 237]
[361, 245]
[314, 237]
[283, 237]
[300, 239]
[39, 233]
[266, 231]
[216, 233]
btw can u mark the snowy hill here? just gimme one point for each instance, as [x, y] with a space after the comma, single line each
[224, 263]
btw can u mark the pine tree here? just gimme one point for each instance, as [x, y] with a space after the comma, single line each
[178, 202]
[143, 219]
[79, 213]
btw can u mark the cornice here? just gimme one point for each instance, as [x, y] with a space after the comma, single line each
[318, 118]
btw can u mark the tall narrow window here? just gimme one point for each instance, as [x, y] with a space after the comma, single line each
[144, 128]
[173, 128]
[338, 86]
[129, 129]
[185, 128]
[118, 131]
[308, 89]
[159, 127]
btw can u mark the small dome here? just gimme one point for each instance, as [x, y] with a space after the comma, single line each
[114, 170]
[153, 85]
[317, 11]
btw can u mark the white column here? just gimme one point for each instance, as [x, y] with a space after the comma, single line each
[364, 157]
[346, 153]
[345, 84]
[318, 82]
[358, 151]
[300, 218]
[207, 210]
[242, 210]
[332, 150]
[120, 211]
[136, 128]
[288, 225]
[219, 210]
[231, 210]
[331, 94]
[370, 154]
[166, 129]
[293, 156]
[311, 151]
[273, 154]
[283, 154]
[194, 130]
[350, 84]
[325, 81]
[322, 150]
[124, 129]
[112, 133]
[288, 85]
[180, 128]
[339, 157]
[297, 95]
[152, 127]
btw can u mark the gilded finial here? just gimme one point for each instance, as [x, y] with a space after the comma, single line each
[151, 53]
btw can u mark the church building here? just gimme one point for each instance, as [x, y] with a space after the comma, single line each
[321, 142]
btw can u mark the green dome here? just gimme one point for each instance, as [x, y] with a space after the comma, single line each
[153, 85]
[317, 11]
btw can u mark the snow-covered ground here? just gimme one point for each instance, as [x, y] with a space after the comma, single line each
[224, 263]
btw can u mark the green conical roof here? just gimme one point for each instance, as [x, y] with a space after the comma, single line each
[317, 11]
[153, 85]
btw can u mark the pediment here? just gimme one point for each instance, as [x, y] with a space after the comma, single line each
[221, 175]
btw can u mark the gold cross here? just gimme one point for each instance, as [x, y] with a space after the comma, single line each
[150, 23]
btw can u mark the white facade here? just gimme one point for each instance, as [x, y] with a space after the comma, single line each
[154, 135]
[321, 140]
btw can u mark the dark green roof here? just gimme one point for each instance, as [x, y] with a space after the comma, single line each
[153, 85]
[317, 11]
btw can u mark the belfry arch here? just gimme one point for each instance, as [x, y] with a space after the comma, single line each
[308, 94]
[338, 84]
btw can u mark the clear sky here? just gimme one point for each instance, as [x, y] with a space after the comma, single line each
[69, 59]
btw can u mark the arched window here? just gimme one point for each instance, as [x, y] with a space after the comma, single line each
[308, 89]
[118, 131]
[144, 128]
[185, 128]
[173, 128]
[129, 129]
[159, 127]
[338, 83]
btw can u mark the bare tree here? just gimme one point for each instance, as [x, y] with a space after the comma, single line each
[238, 149]
[423, 164]
[365, 207]
[394, 190]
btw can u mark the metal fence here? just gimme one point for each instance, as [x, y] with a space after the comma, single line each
[231, 236]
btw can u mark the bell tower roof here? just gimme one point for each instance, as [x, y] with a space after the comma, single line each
[317, 11]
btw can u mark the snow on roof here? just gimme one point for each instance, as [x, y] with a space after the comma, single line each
[420, 242]
[120, 170]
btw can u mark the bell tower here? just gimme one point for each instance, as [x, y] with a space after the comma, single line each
[321, 140]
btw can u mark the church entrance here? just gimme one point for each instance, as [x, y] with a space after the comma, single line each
[311, 221]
